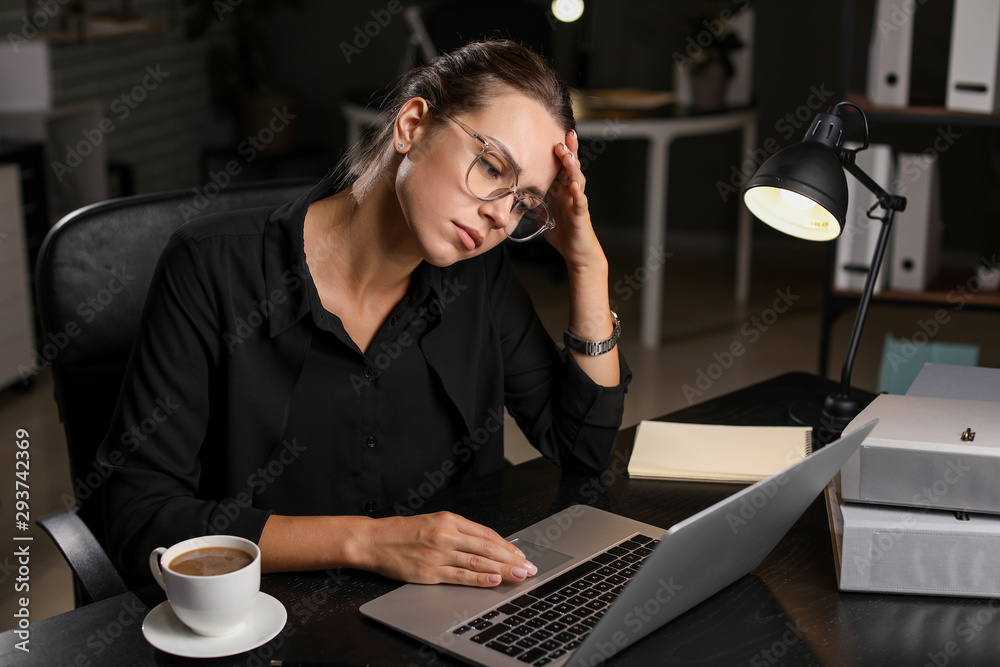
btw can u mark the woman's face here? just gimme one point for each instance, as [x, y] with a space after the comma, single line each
[449, 223]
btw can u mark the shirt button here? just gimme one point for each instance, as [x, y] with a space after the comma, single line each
[369, 372]
[370, 506]
[394, 320]
[370, 442]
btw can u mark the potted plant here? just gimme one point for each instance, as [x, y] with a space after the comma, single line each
[238, 62]
[705, 59]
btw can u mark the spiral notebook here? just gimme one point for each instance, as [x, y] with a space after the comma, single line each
[716, 453]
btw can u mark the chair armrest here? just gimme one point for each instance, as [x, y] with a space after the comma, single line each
[96, 575]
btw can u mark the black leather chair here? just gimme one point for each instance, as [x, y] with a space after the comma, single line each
[92, 275]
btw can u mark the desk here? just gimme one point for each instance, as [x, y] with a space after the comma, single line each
[788, 611]
[660, 131]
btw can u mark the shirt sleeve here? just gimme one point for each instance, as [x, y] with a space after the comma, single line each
[567, 416]
[155, 447]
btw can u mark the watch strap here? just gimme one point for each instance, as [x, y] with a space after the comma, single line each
[593, 348]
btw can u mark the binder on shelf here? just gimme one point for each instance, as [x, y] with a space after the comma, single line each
[889, 56]
[916, 239]
[974, 57]
[856, 244]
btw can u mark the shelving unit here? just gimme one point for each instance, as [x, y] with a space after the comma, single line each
[946, 289]
[17, 337]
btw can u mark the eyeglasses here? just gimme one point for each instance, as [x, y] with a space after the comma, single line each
[491, 176]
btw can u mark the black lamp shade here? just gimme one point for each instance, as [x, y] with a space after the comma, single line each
[810, 169]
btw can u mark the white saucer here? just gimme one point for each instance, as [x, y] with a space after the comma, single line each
[164, 630]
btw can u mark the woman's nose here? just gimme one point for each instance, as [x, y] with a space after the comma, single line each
[497, 211]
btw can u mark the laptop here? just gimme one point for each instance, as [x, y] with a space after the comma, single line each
[605, 581]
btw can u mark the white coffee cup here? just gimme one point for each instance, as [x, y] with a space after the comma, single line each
[211, 605]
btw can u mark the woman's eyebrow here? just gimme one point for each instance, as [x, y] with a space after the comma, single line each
[517, 167]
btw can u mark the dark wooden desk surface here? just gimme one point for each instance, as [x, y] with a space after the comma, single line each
[788, 611]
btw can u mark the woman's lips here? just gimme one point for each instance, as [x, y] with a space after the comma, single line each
[470, 238]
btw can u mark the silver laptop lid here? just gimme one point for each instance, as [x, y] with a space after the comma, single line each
[706, 552]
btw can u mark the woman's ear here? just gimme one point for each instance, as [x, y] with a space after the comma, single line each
[410, 122]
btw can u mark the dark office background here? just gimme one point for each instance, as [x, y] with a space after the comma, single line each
[176, 138]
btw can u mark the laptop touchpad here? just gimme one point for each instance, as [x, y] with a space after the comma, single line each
[542, 558]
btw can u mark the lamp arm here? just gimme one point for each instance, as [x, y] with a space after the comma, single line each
[889, 202]
[866, 297]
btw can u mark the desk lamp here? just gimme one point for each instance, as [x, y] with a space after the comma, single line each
[802, 191]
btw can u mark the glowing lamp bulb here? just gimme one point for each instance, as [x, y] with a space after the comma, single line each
[796, 201]
[567, 11]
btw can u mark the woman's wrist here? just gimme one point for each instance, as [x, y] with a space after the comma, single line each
[290, 543]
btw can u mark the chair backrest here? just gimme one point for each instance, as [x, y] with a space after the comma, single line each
[93, 272]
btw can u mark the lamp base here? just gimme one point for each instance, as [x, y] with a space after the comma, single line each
[827, 416]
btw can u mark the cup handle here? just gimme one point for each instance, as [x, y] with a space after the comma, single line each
[154, 565]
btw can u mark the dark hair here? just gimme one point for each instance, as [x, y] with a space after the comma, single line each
[460, 81]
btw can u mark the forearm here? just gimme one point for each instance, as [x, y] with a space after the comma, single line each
[426, 548]
[292, 543]
[590, 319]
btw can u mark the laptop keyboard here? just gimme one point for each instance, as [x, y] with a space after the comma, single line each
[554, 618]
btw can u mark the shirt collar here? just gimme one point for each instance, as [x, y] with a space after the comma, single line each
[285, 269]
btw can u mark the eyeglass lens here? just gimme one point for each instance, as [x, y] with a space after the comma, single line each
[491, 177]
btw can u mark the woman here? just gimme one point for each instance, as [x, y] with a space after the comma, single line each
[330, 364]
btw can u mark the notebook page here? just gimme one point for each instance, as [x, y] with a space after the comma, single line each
[716, 452]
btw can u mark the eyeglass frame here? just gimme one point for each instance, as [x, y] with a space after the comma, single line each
[518, 193]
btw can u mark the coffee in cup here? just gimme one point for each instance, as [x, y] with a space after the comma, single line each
[209, 561]
[211, 581]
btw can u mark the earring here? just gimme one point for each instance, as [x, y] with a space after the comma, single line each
[400, 145]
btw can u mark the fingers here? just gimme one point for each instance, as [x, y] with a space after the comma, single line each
[572, 171]
[483, 552]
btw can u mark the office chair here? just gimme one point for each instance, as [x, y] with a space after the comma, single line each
[92, 275]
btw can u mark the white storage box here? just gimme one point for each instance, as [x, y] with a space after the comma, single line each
[881, 549]
[917, 455]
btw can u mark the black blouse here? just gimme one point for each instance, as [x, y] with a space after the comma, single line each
[260, 401]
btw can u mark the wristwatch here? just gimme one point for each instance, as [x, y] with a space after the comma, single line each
[589, 347]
